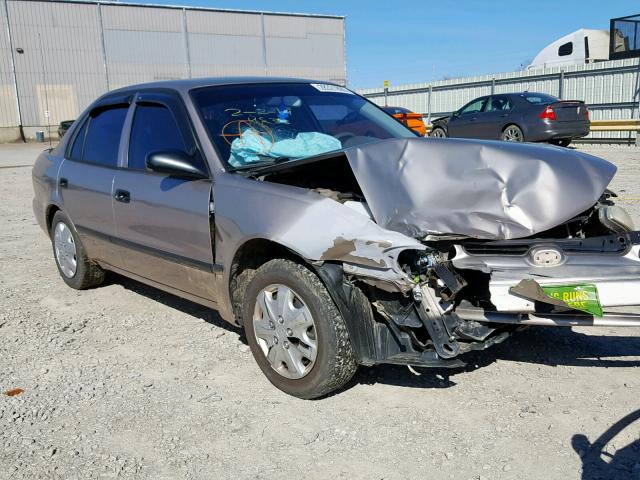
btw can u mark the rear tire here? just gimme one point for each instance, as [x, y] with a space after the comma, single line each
[512, 133]
[563, 142]
[295, 331]
[438, 132]
[74, 266]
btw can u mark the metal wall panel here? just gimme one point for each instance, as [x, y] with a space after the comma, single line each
[8, 105]
[61, 69]
[309, 47]
[75, 51]
[225, 43]
[611, 89]
[143, 44]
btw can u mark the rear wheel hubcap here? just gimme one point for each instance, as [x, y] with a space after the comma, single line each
[65, 249]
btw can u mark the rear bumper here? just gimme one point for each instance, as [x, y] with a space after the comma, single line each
[558, 130]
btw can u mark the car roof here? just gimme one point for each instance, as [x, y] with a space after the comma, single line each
[399, 109]
[520, 94]
[184, 85]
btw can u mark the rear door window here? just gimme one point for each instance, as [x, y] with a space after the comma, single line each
[499, 103]
[154, 129]
[103, 136]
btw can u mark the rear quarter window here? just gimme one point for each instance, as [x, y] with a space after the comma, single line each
[78, 142]
[103, 136]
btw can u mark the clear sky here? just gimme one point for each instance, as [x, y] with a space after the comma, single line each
[411, 41]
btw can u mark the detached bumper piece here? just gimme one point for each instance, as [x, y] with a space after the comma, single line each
[550, 319]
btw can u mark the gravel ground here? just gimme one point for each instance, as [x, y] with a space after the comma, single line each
[124, 381]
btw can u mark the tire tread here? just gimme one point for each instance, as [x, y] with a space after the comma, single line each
[343, 365]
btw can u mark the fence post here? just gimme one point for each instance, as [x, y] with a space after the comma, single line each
[429, 104]
[103, 47]
[561, 85]
[264, 45]
[185, 34]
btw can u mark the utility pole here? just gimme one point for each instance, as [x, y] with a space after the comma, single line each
[386, 93]
[47, 113]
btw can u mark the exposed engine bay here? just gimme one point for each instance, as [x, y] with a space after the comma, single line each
[478, 276]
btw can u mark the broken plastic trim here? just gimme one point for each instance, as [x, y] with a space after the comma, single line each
[551, 319]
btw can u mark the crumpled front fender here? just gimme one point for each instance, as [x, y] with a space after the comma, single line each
[314, 227]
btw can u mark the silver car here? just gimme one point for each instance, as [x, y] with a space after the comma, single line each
[328, 230]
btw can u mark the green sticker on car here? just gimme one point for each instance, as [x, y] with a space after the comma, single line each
[583, 297]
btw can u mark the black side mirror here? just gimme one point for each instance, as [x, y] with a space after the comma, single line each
[176, 163]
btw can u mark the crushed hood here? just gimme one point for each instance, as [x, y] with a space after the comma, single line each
[480, 189]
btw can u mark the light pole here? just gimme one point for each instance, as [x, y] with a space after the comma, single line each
[47, 113]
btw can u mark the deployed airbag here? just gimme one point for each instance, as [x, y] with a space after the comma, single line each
[251, 146]
[481, 189]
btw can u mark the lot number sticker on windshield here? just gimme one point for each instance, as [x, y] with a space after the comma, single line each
[327, 88]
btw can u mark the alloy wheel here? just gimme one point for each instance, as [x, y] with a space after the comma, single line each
[512, 134]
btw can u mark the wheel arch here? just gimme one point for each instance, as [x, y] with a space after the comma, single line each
[249, 256]
[508, 124]
[441, 126]
[50, 212]
[515, 124]
[350, 299]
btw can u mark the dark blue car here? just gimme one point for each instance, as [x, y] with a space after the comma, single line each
[517, 117]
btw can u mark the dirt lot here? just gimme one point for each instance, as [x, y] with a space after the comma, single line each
[128, 382]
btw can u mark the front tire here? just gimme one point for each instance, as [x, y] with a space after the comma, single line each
[74, 266]
[438, 132]
[512, 133]
[295, 331]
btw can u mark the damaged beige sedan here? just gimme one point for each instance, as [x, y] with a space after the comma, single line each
[330, 232]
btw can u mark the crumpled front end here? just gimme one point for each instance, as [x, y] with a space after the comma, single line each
[435, 248]
[487, 190]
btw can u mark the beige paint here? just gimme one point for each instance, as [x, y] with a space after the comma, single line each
[8, 106]
[59, 100]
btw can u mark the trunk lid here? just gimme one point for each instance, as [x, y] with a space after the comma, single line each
[570, 111]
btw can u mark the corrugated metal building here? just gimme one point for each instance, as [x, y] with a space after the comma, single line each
[611, 89]
[58, 56]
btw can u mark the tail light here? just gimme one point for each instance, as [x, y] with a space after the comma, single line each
[548, 114]
[586, 113]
